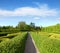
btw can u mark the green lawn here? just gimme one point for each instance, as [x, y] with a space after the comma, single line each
[47, 42]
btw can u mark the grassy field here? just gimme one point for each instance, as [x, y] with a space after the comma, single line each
[47, 42]
[52, 29]
[13, 43]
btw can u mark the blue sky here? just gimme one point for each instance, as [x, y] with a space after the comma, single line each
[40, 12]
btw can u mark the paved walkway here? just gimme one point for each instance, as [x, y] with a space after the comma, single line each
[30, 47]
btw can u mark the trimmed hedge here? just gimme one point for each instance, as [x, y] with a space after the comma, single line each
[3, 33]
[15, 45]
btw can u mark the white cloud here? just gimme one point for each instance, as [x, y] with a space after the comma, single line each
[36, 18]
[58, 18]
[42, 10]
[41, 5]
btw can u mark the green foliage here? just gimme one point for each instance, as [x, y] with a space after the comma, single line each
[46, 42]
[21, 25]
[3, 33]
[53, 29]
[15, 45]
[32, 24]
[8, 29]
[25, 27]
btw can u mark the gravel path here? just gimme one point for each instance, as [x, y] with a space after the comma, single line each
[30, 47]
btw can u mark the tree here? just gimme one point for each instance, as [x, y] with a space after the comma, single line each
[21, 25]
[32, 24]
[38, 28]
[28, 28]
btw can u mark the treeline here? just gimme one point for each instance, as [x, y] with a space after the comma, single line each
[21, 26]
[25, 27]
[8, 29]
[54, 29]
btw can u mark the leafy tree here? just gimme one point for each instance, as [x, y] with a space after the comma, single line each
[32, 24]
[21, 25]
[28, 28]
[38, 28]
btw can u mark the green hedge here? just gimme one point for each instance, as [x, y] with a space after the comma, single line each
[45, 43]
[3, 33]
[15, 45]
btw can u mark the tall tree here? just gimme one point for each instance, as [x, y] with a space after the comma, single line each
[32, 24]
[21, 25]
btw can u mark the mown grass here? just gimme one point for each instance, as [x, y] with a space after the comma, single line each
[47, 42]
[14, 45]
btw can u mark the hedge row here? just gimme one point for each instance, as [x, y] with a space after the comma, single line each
[14, 45]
